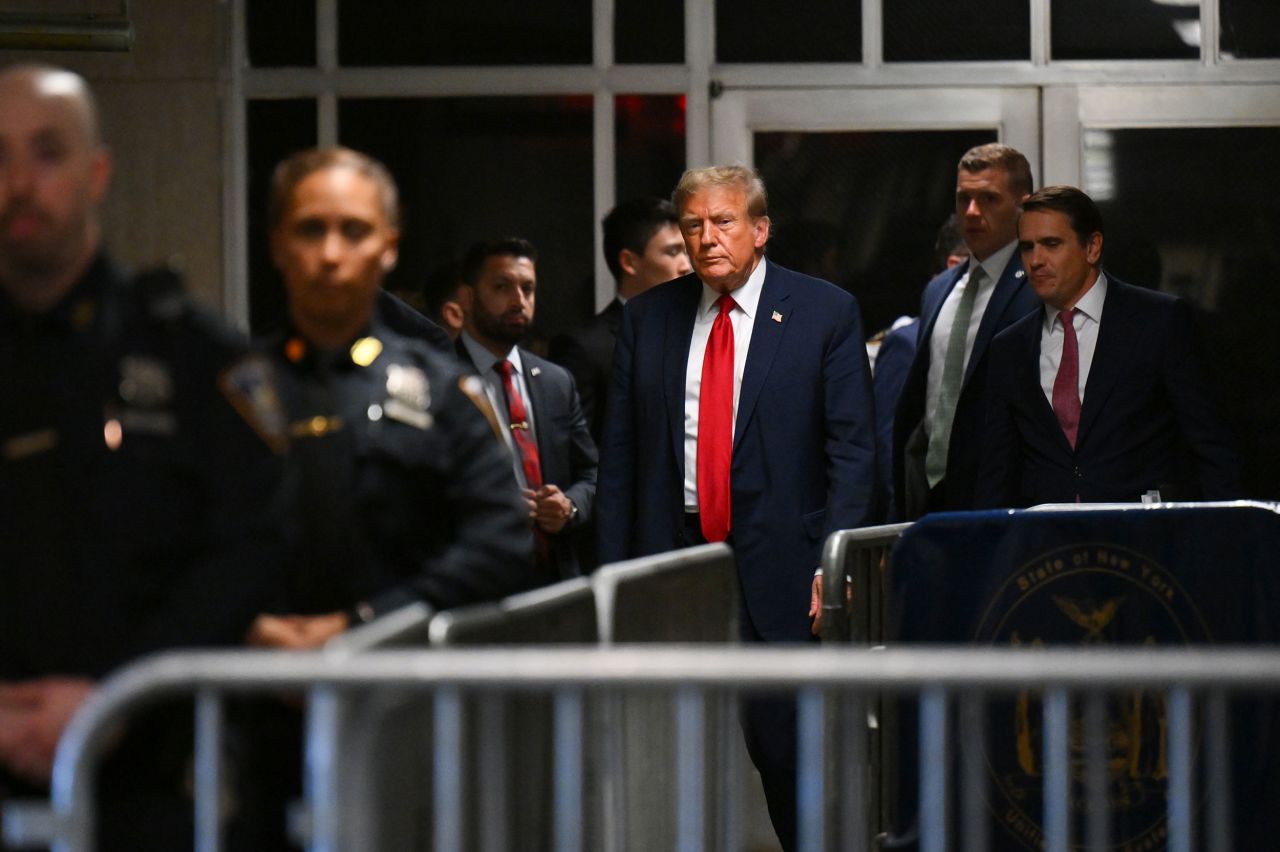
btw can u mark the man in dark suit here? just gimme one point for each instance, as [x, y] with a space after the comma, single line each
[643, 248]
[553, 455]
[740, 410]
[938, 422]
[896, 352]
[1101, 395]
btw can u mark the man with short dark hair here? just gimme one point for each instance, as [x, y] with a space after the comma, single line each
[938, 422]
[137, 469]
[1102, 394]
[540, 417]
[642, 248]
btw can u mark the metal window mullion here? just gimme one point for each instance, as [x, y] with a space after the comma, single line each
[810, 792]
[568, 776]
[1210, 48]
[235, 168]
[872, 33]
[699, 55]
[1041, 32]
[449, 786]
[327, 61]
[604, 144]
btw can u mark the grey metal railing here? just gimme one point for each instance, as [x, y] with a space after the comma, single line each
[853, 611]
[1197, 684]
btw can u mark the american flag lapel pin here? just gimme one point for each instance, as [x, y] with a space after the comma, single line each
[777, 317]
[535, 371]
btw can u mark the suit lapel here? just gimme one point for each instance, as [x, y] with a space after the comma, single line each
[766, 333]
[1006, 288]
[675, 357]
[540, 407]
[1108, 354]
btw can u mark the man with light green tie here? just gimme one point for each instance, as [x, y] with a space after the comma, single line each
[938, 421]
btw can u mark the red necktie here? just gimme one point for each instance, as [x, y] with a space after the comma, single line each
[1066, 385]
[715, 425]
[520, 430]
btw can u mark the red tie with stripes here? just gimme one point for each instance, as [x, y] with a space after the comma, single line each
[520, 429]
[715, 425]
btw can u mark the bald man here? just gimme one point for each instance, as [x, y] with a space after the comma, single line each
[136, 464]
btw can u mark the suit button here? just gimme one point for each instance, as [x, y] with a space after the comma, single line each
[1077, 471]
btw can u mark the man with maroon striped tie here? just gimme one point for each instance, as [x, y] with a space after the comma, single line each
[1101, 395]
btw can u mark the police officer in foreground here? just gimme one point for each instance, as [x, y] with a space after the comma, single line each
[403, 492]
[136, 467]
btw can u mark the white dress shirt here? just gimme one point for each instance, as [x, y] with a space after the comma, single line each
[1086, 320]
[487, 369]
[743, 318]
[994, 267]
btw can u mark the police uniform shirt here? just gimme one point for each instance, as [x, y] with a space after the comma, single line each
[136, 479]
[401, 491]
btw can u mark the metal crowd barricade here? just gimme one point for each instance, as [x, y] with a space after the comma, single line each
[853, 599]
[853, 611]
[386, 778]
[686, 596]
[1197, 685]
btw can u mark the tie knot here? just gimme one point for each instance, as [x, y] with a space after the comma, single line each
[504, 367]
[726, 303]
[1065, 317]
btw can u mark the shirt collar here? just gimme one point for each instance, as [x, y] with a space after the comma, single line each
[485, 360]
[1090, 303]
[747, 296]
[995, 265]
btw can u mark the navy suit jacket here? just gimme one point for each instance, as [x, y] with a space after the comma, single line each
[587, 353]
[803, 450]
[1011, 300]
[1148, 419]
[565, 449]
[893, 363]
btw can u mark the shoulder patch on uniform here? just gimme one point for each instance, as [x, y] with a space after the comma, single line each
[473, 388]
[249, 385]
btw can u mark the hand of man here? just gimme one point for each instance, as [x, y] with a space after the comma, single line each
[815, 605]
[295, 632]
[531, 500]
[815, 602]
[33, 715]
[552, 510]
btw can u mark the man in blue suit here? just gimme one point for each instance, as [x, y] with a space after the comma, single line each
[1101, 395]
[740, 410]
[937, 427]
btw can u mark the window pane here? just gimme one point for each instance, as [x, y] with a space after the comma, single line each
[862, 210]
[481, 168]
[1195, 212]
[648, 31]
[478, 32]
[768, 31]
[944, 30]
[650, 144]
[1250, 28]
[1125, 29]
[281, 32]
[276, 129]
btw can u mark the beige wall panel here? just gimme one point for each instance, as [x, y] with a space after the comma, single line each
[161, 115]
[166, 198]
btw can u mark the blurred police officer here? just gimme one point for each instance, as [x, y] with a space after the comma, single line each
[135, 467]
[403, 491]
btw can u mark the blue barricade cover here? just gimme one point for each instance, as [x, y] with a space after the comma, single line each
[1173, 574]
